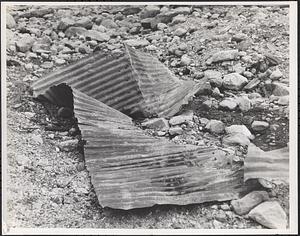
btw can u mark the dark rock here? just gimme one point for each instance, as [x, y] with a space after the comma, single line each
[65, 112]
[75, 31]
[205, 89]
[239, 37]
[37, 13]
[65, 23]
[84, 22]
[131, 10]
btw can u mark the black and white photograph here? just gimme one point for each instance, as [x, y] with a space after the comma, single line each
[149, 118]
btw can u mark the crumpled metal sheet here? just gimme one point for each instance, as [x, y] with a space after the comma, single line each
[130, 169]
[271, 165]
[134, 83]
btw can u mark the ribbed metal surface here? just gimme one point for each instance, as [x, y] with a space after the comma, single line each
[134, 83]
[271, 165]
[130, 169]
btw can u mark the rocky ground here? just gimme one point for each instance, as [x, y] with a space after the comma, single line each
[241, 50]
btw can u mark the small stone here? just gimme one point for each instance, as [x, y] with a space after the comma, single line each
[205, 89]
[217, 224]
[98, 36]
[252, 84]
[248, 74]
[221, 216]
[180, 119]
[214, 77]
[280, 89]
[80, 166]
[109, 24]
[216, 92]
[60, 61]
[239, 37]
[276, 75]
[183, 47]
[203, 121]
[244, 103]
[47, 65]
[25, 43]
[283, 100]
[239, 129]
[228, 104]
[10, 21]
[254, 95]
[176, 130]
[68, 145]
[236, 139]
[161, 133]
[157, 123]
[180, 32]
[149, 11]
[185, 60]
[84, 22]
[225, 207]
[74, 31]
[215, 207]
[37, 138]
[247, 203]
[234, 81]
[137, 42]
[65, 23]
[269, 214]
[161, 26]
[131, 10]
[215, 126]
[226, 55]
[238, 68]
[178, 19]
[182, 10]
[259, 125]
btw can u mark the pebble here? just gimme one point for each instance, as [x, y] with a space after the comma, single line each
[225, 207]
[180, 119]
[161, 26]
[203, 121]
[223, 56]
[236, 139]
[239, 129]
[214, 77]
[47, 65]
[234, 81]
[74, 31]
[252, 84]
[247, 203]
[248, 74]
[68, 145]
[176, 130]
[25, 43]
[283, 100]
[239, 37]
[109, 24]
[238, 68]
[244, 103]
[65, 23]
[180, 32]
[131, 10]
[276, 75]
[185, 60]
[269, 214]
[137, 42]
[84, 22]
[259, 125]
[10, 21]
[98, 36]
[228, 104]
[280, 89]
[221, 216]
[149, 11]
[178, 19]
[37, 138]
[216, 92]
[60, 61]
[215, 126]
[254, 95]
[156, 123]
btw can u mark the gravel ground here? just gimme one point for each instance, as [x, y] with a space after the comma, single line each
[48, 187]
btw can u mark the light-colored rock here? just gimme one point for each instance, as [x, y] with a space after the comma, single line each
[25, 43]
[180, 119]
[65, 23]
[215, 126]
[228, 104]
[161, 26]
[185, 60]
[244, 103]
[10, 21]
[149, 11]
[234, 81]
[247, 203]
[137, 42]
[280, 89]
[182, 10]
[60, 61]
[216, 92]
[37, 138]
[236, 139]
[252, 84]
[47, 65]
[239, 129]
[214, 77]
[180, 32]
[276, 75]
[239, 37]
[248, 74]
[179, 19]
[176, 130]
[238, 68]
[157, 123]
[283, 100]
[109, 24]
[269, 214]
[254, 95]
[203, 121]
[226, 55]
[68, 145]
[259, 125]
[98, 36]
[75, 31]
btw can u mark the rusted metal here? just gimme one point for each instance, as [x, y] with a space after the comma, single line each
[130, 169]
[134, 83]
[271, 165]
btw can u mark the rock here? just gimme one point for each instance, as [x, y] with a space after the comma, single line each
[214, 77]
[65, 112]
[75, 31]
[252, 84]
[236, 139]
[149, 11]
[221, 216]
[180, 119]
[215, 126]
[244, 103]
[84, 22]
[137, 42]
[254, 95]
[205, 89]
[38, 13]
[248, 74]
[98, 36]
[47, 65]
[216, 92]
[203, 121]
[247, 203]
[228, 104]
[37, 138]
[283, 100]
[176, 130]
[225, 207]
[238, 68]
[269, 214]
[157, 124]
[242, 129]
[185, 60]
[109, 24]
[10, 21]
[69, 145]
[148, 23]
[276, 75]
[25, 43]
[180, 32]
[239, 37]
[178, 19]
[65, 23]
[280, 89]
[226, 55]
[259, 125]
[234, 81]
[161, 26]
[217, 224]
[131, 10]
[183, 46]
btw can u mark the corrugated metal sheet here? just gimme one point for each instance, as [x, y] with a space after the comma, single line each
[271, 165]
[130, 169]
[135, 83]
